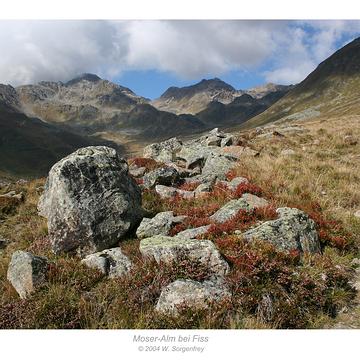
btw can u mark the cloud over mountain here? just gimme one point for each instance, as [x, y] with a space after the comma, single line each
[59, 50]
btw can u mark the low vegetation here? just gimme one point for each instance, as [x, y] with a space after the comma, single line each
[270, 289]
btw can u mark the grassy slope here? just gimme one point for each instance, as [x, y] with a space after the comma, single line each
[320, 179]
[29, 147]
[330, 90]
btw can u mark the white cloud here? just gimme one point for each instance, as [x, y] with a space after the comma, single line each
[59, 50]
[300, 50]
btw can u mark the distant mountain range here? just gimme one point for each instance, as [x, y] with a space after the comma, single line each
[89, 105]
[196, 98]
[41, 123]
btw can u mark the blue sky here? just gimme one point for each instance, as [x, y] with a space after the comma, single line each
[148, 56]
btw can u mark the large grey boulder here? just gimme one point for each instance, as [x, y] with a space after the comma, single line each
[161, 176]
[167, 249]
[27, 272]
[160, 224]
[218, 165]
[196, 295]
[293, 230]
[111, 262]
[90, 201]
[247, 202]
[164, 151]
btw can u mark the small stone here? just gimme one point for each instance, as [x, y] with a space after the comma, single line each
[111, 262]
[160, 224]
[162, 176]
[168, 192]
[27, 272]
[164, 151]
[227, 141]
[234, 183]
[194, 155]
[194, 233]
[238, 152]
[203, 189]
[247, 202]
[137, 171]
[287, 152]
[218, 165]
[188, 293]
[357, 213]
[213, 141]
[350, 140]
[3, 243]
[167, 249]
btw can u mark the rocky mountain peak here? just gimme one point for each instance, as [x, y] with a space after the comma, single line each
[9, 97]
[83, 77]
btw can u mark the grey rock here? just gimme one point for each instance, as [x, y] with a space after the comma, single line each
[3, 243]
[213, 141]
[350, 140]
[160, 224]
[203, 189]
[238, 152]
[90, 201]
[234, 183]
[183, 172]
[217, 132]
[162, 176]
[168, 192]
[194, 155]
[164, 151]
[137, 171]
[287, 152]
[218, 165]
[13, 195]
[27, 272]
[194, 233]
[293, 230]
[357, 213]
[188, 293]
[111, 262]
[167, 249]
[227, 141]
[247, 202]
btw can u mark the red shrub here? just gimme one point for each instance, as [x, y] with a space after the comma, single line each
[139, 181]
[189, 223]
[189, 186]
[248, 188]
[149, 164]
[231, 174]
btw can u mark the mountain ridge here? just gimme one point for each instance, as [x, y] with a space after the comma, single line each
[194, 99]
[330, 90]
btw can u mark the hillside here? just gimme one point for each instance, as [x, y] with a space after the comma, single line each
[264, 285]
[29, 147]
[239, 111]
[331, 89]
